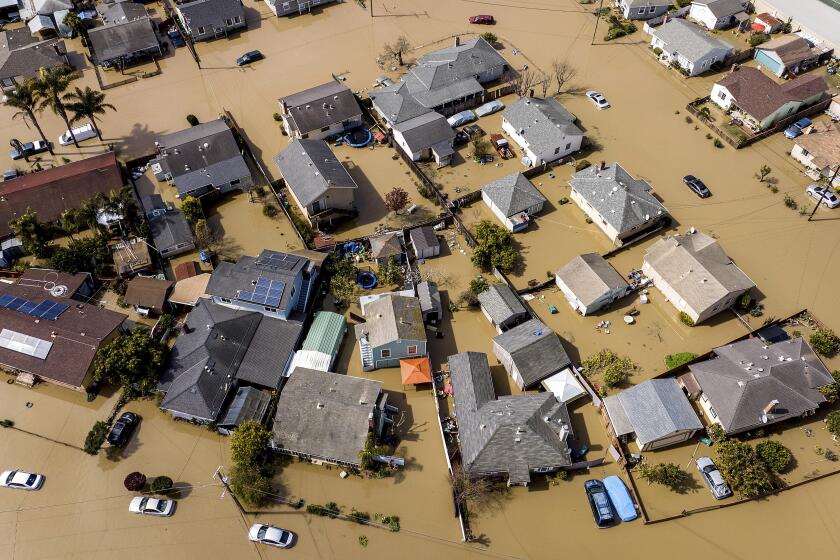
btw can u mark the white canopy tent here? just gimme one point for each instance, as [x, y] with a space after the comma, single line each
[564, 385]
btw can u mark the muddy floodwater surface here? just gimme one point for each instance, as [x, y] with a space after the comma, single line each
[82, 510]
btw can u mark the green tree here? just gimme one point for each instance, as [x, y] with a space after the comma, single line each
[666, 474]
[369, 451]
[676, 360]
[50, 86]
[203, 233]
[825, 342]
[248, 442]
[25, 99]
[776, 456]
[33, 234]
[192, 209]
[743, 469]
[478, 285]
[489, 37]
[87, 104]
[613, 369]
[763, 172]
[75, 23]
[123, 203]
[249, 484]
[480, 147]
[686, 319]
[133, 360]
[832, 392]
[95, 438]
[495, 247]
[161, 485]
[832, 422]
[390, 273]
[66, 259]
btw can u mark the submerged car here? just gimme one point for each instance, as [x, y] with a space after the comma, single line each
[696, 185]
[249, 57]
[599, 501]
[483, 20]
[463, 117]
[828, 197]
[489, 108]
[272, 536]
[123, 428]
[598, 99]
[144, 505]
[797, 128]
[713, 479]
[21, 480]
[84, 132]
[29, 149]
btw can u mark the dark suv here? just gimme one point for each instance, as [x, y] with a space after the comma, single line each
[599, 501]
[123, 428]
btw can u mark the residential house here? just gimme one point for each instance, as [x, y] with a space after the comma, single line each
[543, 128]
[79, 286]
[425, 242]
[171, 233]
[53, 191]
[430, 305]
[789, 54]
[127, 36]
[425, 137]
[210, 19]
[202, 159]
[385, 247]
[320, 112]
[148, 295]
[719, 14]
[275, 284]
[10, 251]
[22, 56]
[510, 436]
[643, 9]
[768, 23]
[513, 199]
[219, 350]
[751, 384]
[292, 7]
[322, 343]
[589, 283]
[131, 256]
[760, 102]
[654, 413]
[320, 185]
[689, 47]
[49, 337]
[621, 205]
[530, 352]
[326, 417]
[248, 404]
[393, 329]
[45, 17]
[819, 152]
[695, 275]
[502, 307]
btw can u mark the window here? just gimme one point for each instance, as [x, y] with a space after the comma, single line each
[201, 31]
[285, 5]
[293, 292]
[326, 128]
[234, 182]
[642, 10]
[269, 309]
[412, 349]
[722, 95]
[228, 21]
[226, 300]
[304, 136]
[385, 353]
[569, 146]
[543, 469]
[712, 412]
[236, 19]
[557, 150]
[805, 152]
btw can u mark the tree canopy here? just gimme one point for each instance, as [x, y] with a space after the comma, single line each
[133, 360]
[495, 247]
[248, 442]
[34, 235]
[743, 469]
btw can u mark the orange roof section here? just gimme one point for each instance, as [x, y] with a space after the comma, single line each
[415, 371]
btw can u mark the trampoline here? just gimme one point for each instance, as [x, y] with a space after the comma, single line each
[366, 280]
[358, 138]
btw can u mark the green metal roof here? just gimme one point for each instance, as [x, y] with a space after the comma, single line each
[326, 333]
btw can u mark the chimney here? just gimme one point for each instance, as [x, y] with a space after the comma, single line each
[771, 406]
[370, 421]
[602, 165]
[457, 41]
[531, 92]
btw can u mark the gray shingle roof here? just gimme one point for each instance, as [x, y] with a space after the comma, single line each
[124, 37]
[424, 238]
[513, 194]
[387, 245]
[535, 349]
[324, 105]
[653, 409]
[396, 103]
[425, 131]
[724, 8]
[543, 122]
[688, 39]
[249, 403]
[22, 55]
[170, 229]
[697, 268]
[640, 3]
[622, 201]
[429, 296]
[512, 434]
[324, 414]
[310, 169]
[499, 301]
[590, 276]
[392, 318]
[746, 376]
[211, 13]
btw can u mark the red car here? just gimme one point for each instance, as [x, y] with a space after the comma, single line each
[483, 20]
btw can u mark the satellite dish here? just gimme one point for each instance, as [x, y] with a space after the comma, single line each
[59, 290]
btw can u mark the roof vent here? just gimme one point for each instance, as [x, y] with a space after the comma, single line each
[482, 426]
[517, 440]
[740, 384]
[320, 405]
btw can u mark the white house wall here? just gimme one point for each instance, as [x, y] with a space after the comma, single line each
[596, 218]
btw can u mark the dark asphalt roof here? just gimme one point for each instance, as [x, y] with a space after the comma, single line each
[535, 349]
[310, 169]
[324, 105]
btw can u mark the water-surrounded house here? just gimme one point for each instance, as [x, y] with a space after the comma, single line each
[530, 352]
[819, 152]
[689, 46]
[425, 242]
[719, 14]
[127, 36]
[502, 307]
[293, 7]
[393, 329]
[210, 19]
[543, 128]
[22, 56]
[589, 283]
[320, 112]
[148, 295]
[789, 54]
[513, 199]
[430, 305]
[643, 9]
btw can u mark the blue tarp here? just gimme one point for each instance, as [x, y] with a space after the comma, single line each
[620, 498]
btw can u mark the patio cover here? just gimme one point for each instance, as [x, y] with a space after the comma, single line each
[40, 23]
[188, 290]
[415, 371]
[564, 385]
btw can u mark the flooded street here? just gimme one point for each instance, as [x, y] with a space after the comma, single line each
[82, 510]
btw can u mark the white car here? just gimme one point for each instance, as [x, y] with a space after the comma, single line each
[829, 198]
[21, 480]
[145, 505]
[598, 99]
[489, 108]
[84, 132]
[463, 117]
[272, 536]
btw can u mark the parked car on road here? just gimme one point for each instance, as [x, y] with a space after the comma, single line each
[797, 128]
[29, 149]
[599, 501]
[10, 174]
[123, 428]
[712, 477]
[598, 99]
[21, 480]
[829, 198]
[249, 57]
[144, 505]
[463, 117]
[696, 185]
[84, 132]
[483, 20]
[272, 536]
[489, 108]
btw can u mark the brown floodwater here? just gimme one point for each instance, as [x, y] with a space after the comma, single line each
[82, 509]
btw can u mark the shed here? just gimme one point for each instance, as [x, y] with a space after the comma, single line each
[564, 385]
[385, 246]
[589, 283]
[249, 403]
[188, 290]
[147, 295]
[430, 304]
[501, 307]
[426, 244]
[325, 335]
[186, 270]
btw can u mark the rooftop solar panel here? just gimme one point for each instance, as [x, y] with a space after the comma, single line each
[5, 299]
[27, 307]
[55, 311]
[16, 303]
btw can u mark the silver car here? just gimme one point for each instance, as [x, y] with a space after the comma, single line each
[489, 108]
[272, 536]
[463, 117]
[145, 505]
[713, 479]
[828, 197]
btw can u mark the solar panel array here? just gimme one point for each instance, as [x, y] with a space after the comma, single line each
[47, 309]
[265, 292]
[278, 261]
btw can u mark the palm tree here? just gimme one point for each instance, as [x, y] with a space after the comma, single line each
[24, 98]
[86, 104]
[50, 87]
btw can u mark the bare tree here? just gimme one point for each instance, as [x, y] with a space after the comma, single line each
[562, 71]
[475, 491]
[524, 82]
[544, 82]
[397, 49]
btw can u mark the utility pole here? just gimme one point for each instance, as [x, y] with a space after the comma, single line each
[822, 196]
[597, 19]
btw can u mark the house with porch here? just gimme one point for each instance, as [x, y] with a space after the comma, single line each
[689, 46]
[513, 199]
[720, 14]
[210, 19]
[589, 283]
[643, 9]
[393, 329]
[543, 128]
[530, 352]
[324, 111]
[819, 152]
[22, 56]
[282, 8]
[127, 36]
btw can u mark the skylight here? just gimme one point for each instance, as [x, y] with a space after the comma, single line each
[24, 344]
